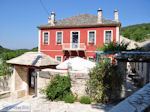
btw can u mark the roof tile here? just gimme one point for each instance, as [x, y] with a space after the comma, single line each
[80, 20]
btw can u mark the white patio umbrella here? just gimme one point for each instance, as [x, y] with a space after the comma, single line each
[76, 64]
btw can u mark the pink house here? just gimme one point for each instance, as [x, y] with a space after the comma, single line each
[79, 35]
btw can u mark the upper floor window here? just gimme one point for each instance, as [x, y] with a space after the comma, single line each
[59, 37]
[91, 37]
[108, 37]
[45, 38]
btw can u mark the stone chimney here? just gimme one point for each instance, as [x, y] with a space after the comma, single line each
[116, 16]
[99, 15]
[51, 19]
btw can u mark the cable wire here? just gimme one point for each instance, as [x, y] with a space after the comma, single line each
[43, 6]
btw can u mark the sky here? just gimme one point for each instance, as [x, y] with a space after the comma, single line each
[19, 18]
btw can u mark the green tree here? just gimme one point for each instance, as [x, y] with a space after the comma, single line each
[139, 32]
[4, 69]
[105, 83]
[58, 88]
[6, 54]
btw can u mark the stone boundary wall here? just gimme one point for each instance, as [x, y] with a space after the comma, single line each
[78, 80]
[137, 102]
[4, 83]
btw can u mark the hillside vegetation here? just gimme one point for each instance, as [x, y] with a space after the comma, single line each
[3, 49]
[139, 32]
[6, 54]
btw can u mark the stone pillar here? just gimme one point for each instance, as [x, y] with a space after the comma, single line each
[122, 68]
[19, 82]
[37, 87]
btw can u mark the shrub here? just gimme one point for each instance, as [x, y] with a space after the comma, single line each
[69, 98]
[105, 83]
[58, 88]
[5, 69]
[85, 100]
[114, 47]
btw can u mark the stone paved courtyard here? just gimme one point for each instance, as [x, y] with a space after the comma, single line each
[43, 105]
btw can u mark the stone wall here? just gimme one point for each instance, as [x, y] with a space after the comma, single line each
[78, 80]
[123, 69]
[42, 82]
[78, 83]
[20, 86]
[4, 83]
[137, 102]
[21, 77]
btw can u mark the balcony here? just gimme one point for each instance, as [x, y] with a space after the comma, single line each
[74, 46]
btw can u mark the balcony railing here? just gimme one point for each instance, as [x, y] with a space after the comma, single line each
[74, 46]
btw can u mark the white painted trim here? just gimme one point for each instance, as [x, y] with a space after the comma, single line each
[59, 56]
[111, 35]
[39, 41]
[48, 37]
[71, 36]
[117, 35]
[88, 36]
[62, 37]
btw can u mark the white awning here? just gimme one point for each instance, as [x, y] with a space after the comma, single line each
[76, 64]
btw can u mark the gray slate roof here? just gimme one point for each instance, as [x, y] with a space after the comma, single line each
[80, 20]
[35, 59]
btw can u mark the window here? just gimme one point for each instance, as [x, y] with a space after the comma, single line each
[45, 38]
[108, 36]
[91, 37]
[59, 37]
[58, 58]
[75, 39]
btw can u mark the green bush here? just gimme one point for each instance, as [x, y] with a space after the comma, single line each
[69, 98]
[114, 47]
[5, 69]
[85, 100]
[105, 83]
[58, 88]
